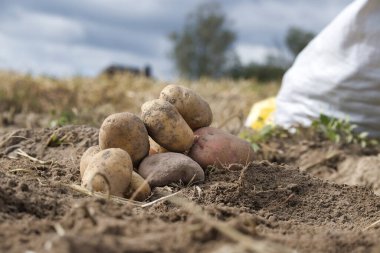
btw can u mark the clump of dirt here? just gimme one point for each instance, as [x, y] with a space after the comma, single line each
[338, 162]
[265, 201]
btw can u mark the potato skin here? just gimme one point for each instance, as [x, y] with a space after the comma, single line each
[214, 147]
[208, 131]
[155, 148]
[166, 126]
[126, 131]
[86, 158]
[165, 168]
[116, 165]
[138, 183]
[193, 108]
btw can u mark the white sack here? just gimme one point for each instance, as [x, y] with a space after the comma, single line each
[338, 73]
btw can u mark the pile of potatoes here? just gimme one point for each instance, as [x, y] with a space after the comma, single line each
[171, 143]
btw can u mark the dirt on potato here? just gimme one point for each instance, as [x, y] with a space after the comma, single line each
[267, 201]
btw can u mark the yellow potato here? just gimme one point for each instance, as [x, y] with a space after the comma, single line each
[193, 108]
[139, 189]
[109, 170]
[155, 148]
[86, 158]
[166, 126]
[126, 131]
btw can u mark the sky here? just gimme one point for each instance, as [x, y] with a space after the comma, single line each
[70, 37]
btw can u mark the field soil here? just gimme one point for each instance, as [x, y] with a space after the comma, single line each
[299, 196]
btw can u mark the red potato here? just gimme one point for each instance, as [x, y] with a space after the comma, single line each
[214, 147]
[208, 130]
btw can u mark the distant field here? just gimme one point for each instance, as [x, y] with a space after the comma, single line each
[277, 201]
[27, 101]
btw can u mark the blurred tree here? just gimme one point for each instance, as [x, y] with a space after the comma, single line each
[297, 39]
[204, 46]
[261, 72]
[275, 65]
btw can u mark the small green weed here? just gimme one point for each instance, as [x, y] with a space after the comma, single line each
[340, 131]
[64, 118]
[335, 130]
[54, 141]
[264, 134]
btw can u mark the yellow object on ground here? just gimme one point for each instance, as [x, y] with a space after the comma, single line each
[261, 114]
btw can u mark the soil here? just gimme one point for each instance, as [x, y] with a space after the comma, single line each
[307, 196]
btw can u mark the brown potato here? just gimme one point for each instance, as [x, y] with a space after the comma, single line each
[155, 148]
[163, 169]
[126, 131]
[139, 189]
[110, 169]
[86, 158]
[193, 108]
[166, 126]
[214, 147]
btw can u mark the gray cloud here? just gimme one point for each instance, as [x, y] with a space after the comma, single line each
[65, 37]
[265, 21]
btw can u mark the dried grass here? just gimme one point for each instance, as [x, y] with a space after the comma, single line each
[81, 100]
[372, 225]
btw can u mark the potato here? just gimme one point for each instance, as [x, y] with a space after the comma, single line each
[166, 126]
[163, 169]
[86, 158]
[126, 131]
[109, 168]
[215, 147]
[155, 148]
[193, 108]
[208, 130]
[139, 189]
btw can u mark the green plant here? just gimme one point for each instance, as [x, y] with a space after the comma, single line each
[256, 138]
[55, 141]
[335, 130]
[340, 131]
[65, 118]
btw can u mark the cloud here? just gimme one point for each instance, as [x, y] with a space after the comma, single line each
[23, 24]
[262, 25]
[255, 53]
[266, 22]
[66, 37]
[41, 57]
